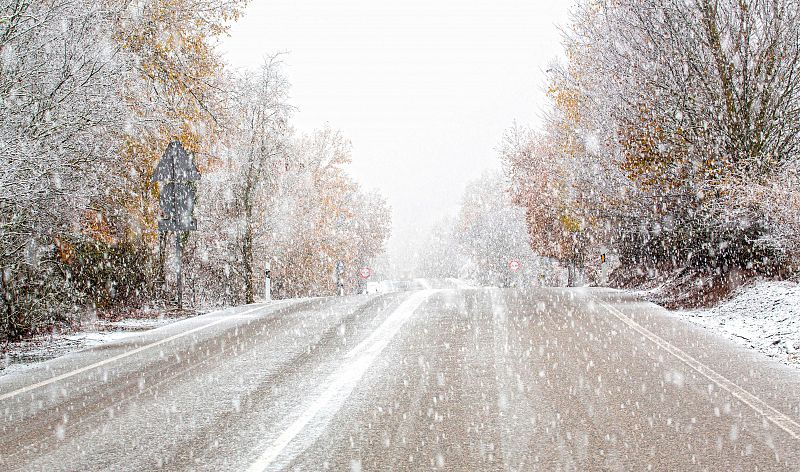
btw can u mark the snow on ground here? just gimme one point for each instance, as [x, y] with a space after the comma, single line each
[764, 316]
[21, 355]
[463, 284]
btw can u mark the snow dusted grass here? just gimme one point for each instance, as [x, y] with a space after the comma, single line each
[764, 316]
[20, 355]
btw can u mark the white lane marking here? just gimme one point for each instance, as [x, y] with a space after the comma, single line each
[425, 284]
[771, 414]
[339, 385]
[390, 326]
[510, 440]
[72, 373]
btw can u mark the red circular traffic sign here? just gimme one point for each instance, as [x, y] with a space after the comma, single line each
[514, 265]
[365, 273]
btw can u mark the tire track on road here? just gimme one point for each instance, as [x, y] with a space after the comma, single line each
[311, 421]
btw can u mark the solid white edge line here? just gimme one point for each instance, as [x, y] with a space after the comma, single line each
[72, 373]
[771, 414]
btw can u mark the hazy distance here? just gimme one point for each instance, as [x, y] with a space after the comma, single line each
[423, 89]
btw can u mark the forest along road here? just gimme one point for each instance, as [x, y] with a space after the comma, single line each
[435, 377]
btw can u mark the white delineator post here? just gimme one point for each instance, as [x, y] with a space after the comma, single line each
[339, 270]
[267, 283]
[603, 271]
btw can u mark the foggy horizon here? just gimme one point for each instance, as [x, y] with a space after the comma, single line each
[423, 91]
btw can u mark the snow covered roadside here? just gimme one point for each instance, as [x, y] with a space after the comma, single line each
[764, 316]
[21, 355]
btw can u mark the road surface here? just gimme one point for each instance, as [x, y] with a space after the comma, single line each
[439, 376]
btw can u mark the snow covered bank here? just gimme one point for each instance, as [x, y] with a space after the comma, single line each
[764, 316]
[19, 355]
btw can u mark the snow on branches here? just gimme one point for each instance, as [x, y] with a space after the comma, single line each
[91, 92]
[675, 127]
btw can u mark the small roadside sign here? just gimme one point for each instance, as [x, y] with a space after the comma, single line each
[514, 265]
[365, 273]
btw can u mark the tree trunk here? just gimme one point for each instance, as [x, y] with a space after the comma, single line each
[9, 328]
[13, 328]
[247, 262]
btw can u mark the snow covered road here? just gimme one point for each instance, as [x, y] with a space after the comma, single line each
[440, 378]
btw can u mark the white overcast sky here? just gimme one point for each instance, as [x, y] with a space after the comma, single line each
[423, 89]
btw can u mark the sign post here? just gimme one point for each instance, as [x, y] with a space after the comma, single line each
[176, 171]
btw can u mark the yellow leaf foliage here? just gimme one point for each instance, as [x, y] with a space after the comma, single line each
[174, 94]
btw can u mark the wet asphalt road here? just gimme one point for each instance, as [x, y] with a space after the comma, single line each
[434, 377]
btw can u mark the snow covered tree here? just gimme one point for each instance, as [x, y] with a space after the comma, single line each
[551, 176]
[176, 87]
[328, 219]
[480, 242]
[491, 232]
[91, 93]
[59, 72]
[439, 256]
[287, 201]
[262, 154]
[705, 95]
[679, 108]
